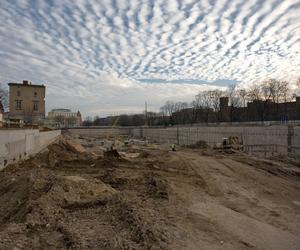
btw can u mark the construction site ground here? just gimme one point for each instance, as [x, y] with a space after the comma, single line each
[75, 196]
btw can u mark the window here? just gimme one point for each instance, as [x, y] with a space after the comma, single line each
[18, 105]
[35, 105]
[18, 93]
[35, 94]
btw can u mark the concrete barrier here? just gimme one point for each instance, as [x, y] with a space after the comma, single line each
[21, 143]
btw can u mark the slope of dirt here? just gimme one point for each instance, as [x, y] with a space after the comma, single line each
[188, 199]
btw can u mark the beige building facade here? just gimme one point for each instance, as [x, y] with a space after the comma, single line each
[27, 102]
[64, 118]
[1, 115]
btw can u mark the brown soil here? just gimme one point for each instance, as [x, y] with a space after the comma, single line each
[188, 199]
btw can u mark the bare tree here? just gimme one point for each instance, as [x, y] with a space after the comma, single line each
[266, 91]
[203, 100]
[88, 121]
[181, 112]
[208, 101]
[168, 108]
[215, 96]
[257, 93]
[285, 93]
[254, 92]
[4, 96]
[193, 115]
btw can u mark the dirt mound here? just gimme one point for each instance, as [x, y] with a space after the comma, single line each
[37, 203]
[53, 200]
[140, 228]
[71, 199]
[18, 193]
[142, 153]
[112, 154]
[157, 187]
[199, 145]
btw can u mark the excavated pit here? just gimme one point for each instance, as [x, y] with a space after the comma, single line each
[145, 198]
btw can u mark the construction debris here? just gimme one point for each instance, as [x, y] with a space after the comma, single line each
[70, 197]
[73, 146]
[199, 145]
[113, 153]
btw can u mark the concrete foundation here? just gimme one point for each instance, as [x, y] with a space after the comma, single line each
[22, 143]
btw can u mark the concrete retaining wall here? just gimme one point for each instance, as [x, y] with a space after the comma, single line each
[101, 132]
[137, 132]
[19, 144]
[283, 139]
[212, 135]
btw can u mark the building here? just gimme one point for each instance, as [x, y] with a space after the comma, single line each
[256, 111]
[64, 118]
[27, 102]
[1, 113]
[260, 110]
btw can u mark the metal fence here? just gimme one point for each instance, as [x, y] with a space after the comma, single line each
[273, 149]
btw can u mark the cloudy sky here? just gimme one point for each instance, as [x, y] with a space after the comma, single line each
[109, 56]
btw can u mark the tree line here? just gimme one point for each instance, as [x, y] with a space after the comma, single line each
[205, 106]
[207, 103]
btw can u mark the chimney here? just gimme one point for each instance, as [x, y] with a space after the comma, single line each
[224, 102]
[25, 82]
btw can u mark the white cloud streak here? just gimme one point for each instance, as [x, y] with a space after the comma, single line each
[91, 54]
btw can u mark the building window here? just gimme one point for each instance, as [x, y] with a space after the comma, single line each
[18, 93]
[35, 105]
[35, 94]
[18, 105]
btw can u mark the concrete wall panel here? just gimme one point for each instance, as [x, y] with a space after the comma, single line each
[101, 132]
[258, 136]
[20, 144]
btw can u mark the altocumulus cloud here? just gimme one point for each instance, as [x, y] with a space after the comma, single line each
[104, 57]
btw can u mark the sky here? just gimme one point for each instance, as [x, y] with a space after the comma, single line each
[108, 57]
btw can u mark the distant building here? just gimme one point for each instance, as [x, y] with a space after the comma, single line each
[259, 110]
[27, 102]
[64, 118]
[1, 113]
[256, 111]
[1, 107]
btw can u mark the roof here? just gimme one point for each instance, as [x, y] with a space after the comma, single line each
[27, 85]
[60, 110]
